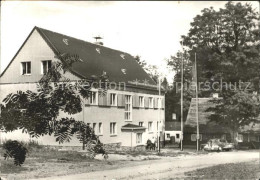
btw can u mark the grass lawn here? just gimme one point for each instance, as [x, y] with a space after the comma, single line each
[42, 162]
[246, 170]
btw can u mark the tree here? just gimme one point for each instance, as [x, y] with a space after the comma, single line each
[235, 111]
[151, 70]
[37, 113]
[228, 53]
[173, 95]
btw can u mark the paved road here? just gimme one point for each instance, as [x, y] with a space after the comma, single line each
[165, 168]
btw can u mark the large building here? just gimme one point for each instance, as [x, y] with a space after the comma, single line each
[130, 114]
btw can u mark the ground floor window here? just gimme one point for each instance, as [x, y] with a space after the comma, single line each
[168, 135]
[150, 126]
[139, 138]
[223, 137]
[240, 138]
[177, 136]
[100, 128]
[113, 128]
[194, 137]
[94, 127]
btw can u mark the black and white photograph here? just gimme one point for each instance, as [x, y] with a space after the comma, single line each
[142, 90]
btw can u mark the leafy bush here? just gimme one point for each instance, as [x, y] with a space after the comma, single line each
[16, 150]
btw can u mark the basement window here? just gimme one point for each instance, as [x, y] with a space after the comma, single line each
[25, 68]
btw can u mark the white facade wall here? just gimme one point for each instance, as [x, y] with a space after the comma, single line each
[12, 80]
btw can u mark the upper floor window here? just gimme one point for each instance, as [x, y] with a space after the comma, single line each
[25, 68]
[46, 65]
[113, 99]
[128, 107]
[93, 98]
[141, 123]
[150, 102]
[141, 101]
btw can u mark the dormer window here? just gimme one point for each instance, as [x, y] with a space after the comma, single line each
[98, 50]
[46, 65]
[25, 68]
[123, 71]
[122, 56]
[66, 41]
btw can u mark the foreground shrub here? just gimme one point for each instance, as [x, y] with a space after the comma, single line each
[16, 150]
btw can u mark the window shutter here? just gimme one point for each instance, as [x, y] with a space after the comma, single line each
[162, 101]
[155, 103]
[135, 101]
[86, 101]
[101, 100]
[120, 100]
[146, 102]
[108, 99]
[105, 103]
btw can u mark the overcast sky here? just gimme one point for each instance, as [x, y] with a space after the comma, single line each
[149, 29]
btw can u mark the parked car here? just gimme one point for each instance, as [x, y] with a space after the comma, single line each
[218, 145]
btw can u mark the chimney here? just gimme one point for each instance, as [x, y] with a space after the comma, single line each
[98, 40]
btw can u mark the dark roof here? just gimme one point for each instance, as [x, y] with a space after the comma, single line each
[204, 125]
[172, 126]
[97, 59]
[132, 127]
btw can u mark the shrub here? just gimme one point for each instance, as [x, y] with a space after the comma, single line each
[16, 150]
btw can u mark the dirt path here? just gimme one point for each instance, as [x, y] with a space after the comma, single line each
[165, 168]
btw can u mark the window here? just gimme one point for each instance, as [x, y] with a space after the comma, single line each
[150, 102]
[88, 124]
[194, 137]
[93, 98]
[240, 138]
[113, 128]
[223, 137]
[66, 41]
[141, 123]
[168, 135]
[141, 101]
[100, 128]
[46, 65]
[177, 136]
[150, 126]
[26, 68]
[128, 107]
[94, 127]
[138, 138]
[113, 99]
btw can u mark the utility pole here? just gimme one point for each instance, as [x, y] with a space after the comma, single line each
[197, 104]
[159, 119]
[182, 99]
